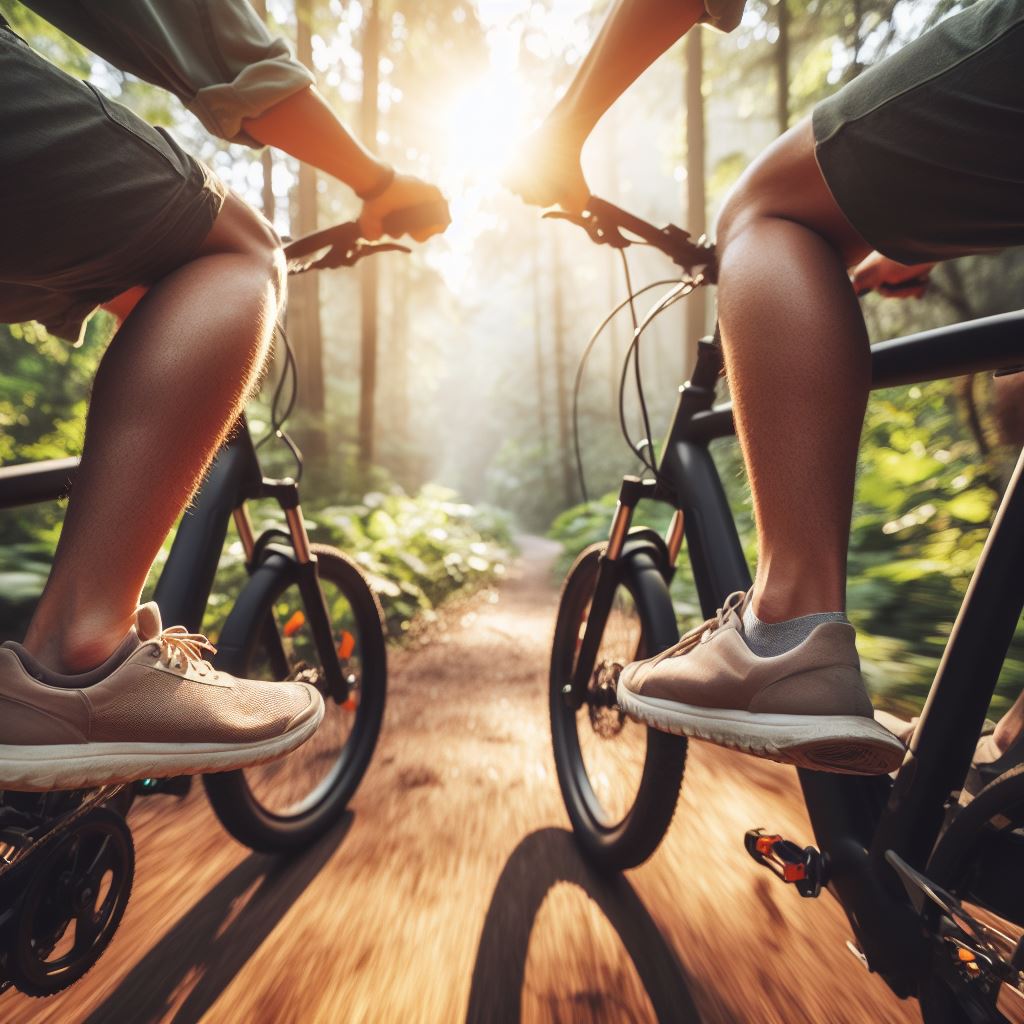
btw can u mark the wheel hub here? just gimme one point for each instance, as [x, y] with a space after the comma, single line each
[606, 717]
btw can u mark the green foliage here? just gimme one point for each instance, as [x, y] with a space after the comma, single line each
[925, 499]
[417, 551]
[43, 393]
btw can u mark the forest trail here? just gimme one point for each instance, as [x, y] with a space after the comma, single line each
[453, 890]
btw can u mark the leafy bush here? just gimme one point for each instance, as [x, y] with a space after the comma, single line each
[416, 551]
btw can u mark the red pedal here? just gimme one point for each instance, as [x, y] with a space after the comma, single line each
[804, 868]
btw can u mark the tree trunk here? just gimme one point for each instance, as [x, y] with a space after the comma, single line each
[561, 374]
[782, 67]
[696, 201]
[304, 291]
[369, 278]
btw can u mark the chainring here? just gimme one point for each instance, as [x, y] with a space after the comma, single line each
[74, 898]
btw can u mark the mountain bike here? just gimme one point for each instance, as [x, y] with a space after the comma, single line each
[305, 612]
[932, 891]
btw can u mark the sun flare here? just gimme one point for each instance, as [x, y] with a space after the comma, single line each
[486, 119]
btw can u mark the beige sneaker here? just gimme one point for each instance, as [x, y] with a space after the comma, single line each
[154, 709]
[808, 707]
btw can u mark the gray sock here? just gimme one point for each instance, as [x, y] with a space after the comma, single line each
[769, 639]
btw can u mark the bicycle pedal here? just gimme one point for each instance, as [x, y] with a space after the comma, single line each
[803, 867]
[178, 785]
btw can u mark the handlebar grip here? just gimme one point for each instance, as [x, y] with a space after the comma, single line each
[417, 218]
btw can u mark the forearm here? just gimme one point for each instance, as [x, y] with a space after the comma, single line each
[633, 36]
[305, 127]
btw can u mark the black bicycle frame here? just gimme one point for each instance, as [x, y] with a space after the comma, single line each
[183, 589]
[855, 819]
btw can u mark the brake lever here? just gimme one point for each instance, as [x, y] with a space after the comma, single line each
[590, 223]
[364, 249]
[336, 256]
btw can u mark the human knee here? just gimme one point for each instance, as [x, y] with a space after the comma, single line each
[241, 231]
[765, 190]
[741, 208]
[785, 185]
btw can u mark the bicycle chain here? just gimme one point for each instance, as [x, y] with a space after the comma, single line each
[98, 797]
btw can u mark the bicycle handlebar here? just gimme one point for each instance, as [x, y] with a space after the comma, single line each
[605, 223]
[343, 245]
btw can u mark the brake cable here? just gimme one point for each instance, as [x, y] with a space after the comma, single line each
[289, 372]
[640, 449]
[584, 358]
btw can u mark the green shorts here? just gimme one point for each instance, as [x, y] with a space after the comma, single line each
[924, 152]
[94, 200]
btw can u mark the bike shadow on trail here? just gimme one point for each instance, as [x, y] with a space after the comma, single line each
[539, 863]
[207, 947]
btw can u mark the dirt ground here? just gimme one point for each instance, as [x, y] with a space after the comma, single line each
[453, 891]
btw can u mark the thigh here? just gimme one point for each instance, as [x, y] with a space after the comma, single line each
[924, 152]
[96, 199]
[785, 182]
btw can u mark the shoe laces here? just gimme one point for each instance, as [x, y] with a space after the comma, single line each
[733, 607]
[180, 649]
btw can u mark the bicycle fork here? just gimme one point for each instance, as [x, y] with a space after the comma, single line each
[632, 490]
[286, 493]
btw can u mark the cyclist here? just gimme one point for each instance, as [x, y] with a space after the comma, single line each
[98, 207]
[920, 158]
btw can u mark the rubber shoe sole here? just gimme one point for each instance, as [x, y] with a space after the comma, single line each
[845, 744]
[37, 769]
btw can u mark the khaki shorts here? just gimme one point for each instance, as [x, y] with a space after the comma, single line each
[924, 152]
[92, 199]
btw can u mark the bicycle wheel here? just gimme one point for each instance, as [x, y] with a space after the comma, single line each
[289, 803]
[980, 861]
[620, 780]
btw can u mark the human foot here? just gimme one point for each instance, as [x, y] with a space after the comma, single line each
[154, 709]
[807, 707]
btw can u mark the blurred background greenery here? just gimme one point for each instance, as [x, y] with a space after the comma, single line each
[450, 372]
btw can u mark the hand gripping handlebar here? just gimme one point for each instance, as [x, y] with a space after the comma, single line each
[344, 246]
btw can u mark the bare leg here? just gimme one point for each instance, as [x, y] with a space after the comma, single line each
[171, 384]
[797, 356]
[1011, 725]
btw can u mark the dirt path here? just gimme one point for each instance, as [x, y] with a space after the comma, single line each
[453, 891]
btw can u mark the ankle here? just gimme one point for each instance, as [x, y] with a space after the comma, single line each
[81, 648]
[779, 603]
[771, 639]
